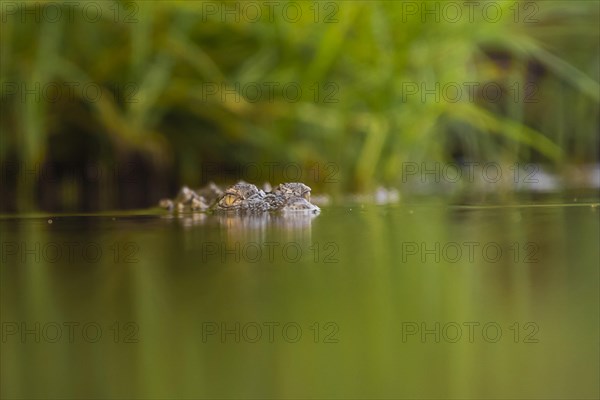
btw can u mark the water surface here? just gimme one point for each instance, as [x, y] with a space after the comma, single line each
[397, 301]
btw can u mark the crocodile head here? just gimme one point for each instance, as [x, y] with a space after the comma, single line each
[244, 198]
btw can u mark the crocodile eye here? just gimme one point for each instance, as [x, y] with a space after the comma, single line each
[306, 196]
[229, 199]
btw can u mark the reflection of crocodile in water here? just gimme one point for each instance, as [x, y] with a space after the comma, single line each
[243, 197]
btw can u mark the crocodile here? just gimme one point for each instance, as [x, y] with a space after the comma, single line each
[243, 197]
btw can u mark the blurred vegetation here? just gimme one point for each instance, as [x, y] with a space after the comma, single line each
[155, 62]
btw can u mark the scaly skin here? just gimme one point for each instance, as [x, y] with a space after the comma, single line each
[293, 189]
[244, 198]
[241, 196]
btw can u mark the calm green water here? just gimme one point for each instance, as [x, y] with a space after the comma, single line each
[404, 301]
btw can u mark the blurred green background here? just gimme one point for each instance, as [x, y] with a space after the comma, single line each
[145, 92]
